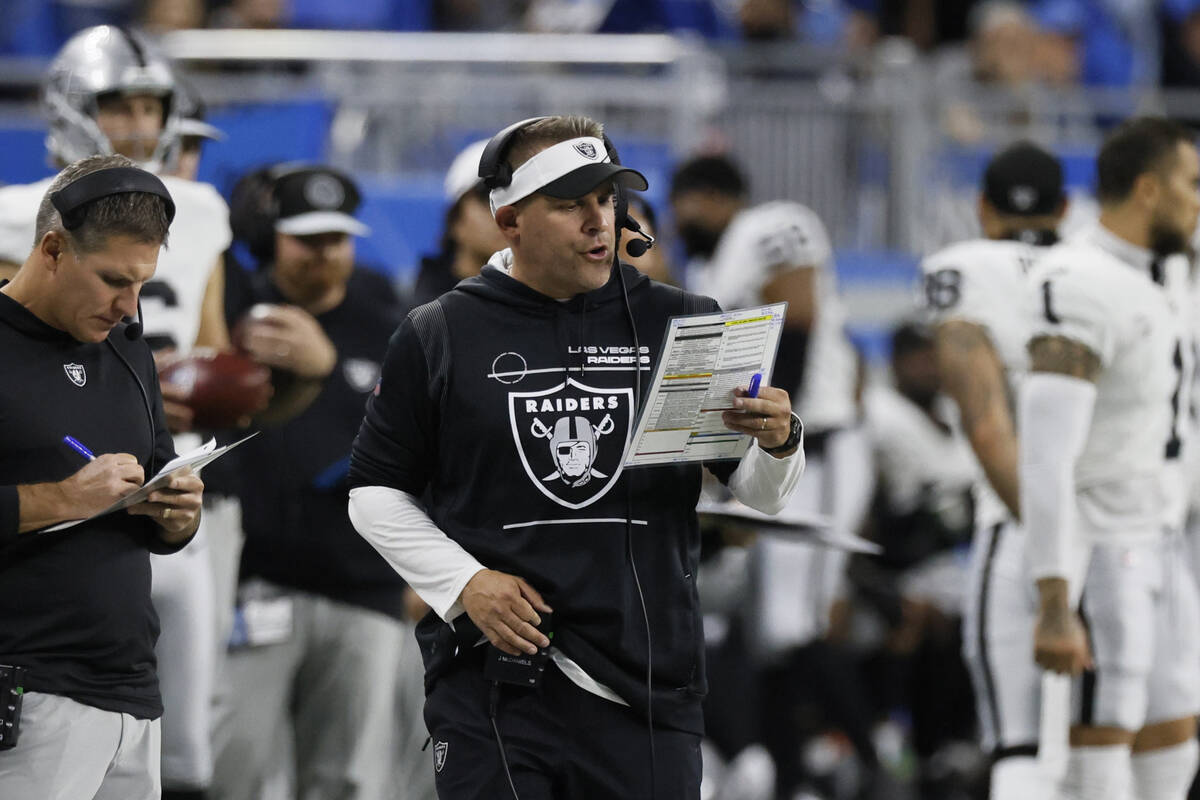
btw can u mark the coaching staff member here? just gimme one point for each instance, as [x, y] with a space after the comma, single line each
[328, 677]
[75, 610]
[488, 472]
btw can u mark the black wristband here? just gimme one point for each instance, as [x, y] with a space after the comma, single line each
[793, 439]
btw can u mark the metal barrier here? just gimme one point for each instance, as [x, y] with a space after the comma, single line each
[887, 152]
[407, 101]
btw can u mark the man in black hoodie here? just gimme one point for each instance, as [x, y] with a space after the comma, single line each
[488, 471]
[318, 631]
[75, 611]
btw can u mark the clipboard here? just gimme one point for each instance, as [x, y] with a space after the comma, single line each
[196, 459]
[703, 358]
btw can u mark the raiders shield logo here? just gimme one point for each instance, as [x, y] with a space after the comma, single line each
[586, 149]
[439, 755]
[76, 373]
[1023, 197]
[572, 439]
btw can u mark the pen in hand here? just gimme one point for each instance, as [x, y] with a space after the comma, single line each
[755, 380]
[79, 447]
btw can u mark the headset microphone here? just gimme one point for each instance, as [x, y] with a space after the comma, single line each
[637, 248]
[133, 331]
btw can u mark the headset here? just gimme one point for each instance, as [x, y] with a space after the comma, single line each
[496, 172]
[252, 213]
[73, 200]
[254, 207]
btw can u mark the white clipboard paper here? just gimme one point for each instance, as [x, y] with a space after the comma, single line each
[704, 358]
[195, 459]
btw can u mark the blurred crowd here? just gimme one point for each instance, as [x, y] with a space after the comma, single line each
[1058, 43]
[871, 699]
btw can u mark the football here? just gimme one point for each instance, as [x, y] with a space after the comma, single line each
[220, 388]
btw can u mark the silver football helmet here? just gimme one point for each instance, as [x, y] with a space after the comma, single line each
[98, 61]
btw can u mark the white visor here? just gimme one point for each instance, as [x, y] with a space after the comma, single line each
[568, 169]
[322, 222]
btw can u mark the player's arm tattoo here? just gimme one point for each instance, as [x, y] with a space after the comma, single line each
[1063, 356]
[973, 376]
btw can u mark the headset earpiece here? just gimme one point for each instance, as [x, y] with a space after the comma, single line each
[252, 212]
[494, 171]
[73, 200]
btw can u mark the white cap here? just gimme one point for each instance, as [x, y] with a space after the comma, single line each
[463, 174]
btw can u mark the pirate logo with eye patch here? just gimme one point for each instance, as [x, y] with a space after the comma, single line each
[571, 439]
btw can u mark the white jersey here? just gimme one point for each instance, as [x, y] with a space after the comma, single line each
[171, 301]
[985, 282]
[1098, 290]
[918, 460]
[1191, 447]
[760, 243]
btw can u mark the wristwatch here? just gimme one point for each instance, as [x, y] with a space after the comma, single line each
[793, 439]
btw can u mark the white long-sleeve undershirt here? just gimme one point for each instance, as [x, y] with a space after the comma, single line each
[438, 568]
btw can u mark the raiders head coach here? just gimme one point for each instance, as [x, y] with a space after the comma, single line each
[81, 425]
[488, 472]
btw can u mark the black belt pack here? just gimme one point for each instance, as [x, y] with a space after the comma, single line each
[12, 691]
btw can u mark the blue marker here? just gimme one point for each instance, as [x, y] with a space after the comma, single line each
[755, 380]
[79, 447]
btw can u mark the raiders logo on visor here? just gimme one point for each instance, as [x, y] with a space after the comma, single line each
[586, 149]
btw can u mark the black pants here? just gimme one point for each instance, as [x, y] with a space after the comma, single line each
[561, 742]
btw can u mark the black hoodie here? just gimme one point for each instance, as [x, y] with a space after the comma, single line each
[75, 606]
[509, 411]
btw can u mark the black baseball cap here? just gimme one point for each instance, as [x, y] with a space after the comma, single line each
[317, 200]
[1024, 180]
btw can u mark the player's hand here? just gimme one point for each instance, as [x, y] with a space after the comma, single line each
[768, 417]
[1060, 643]
[289, 338]
[506, 608]
[175, 506]
[102, 482]
[179, 416]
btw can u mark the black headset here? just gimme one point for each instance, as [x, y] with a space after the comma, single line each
[254, 206]
[252, 213]
[496, 173]
[73, 200]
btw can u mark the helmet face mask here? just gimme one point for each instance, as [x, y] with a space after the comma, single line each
[101, 61]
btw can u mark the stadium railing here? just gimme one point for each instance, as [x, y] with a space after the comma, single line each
[886, 150]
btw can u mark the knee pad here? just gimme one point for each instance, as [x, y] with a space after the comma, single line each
[1165, 773]
[1095, 772]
